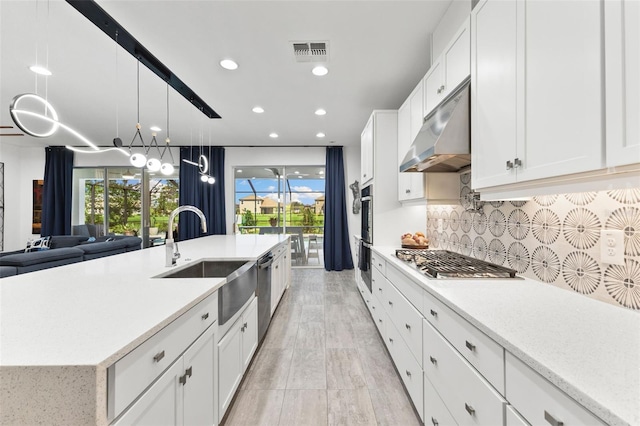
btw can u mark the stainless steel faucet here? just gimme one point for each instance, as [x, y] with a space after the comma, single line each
[172, 253]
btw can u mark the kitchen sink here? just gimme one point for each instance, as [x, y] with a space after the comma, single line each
[209, 269]
[241, 282]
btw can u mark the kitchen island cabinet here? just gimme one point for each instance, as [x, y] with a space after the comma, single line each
[61, 337]
[518, 347]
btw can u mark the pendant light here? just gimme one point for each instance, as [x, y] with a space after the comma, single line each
[167, 167]
[138, 159]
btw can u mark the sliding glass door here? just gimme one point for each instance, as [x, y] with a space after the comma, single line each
[284, 199]
[135, 202]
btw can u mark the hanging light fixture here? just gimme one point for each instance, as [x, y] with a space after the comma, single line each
[167, 168]
[138, 159]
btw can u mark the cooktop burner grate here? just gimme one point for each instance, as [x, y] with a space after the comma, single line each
[447, 264]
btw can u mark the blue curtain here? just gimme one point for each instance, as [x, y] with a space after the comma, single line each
[208, 198]
[57, 191]
[337, 249]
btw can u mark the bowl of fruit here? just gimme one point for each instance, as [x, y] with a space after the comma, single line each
[415, 241]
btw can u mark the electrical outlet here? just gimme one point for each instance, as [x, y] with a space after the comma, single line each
[612, 246]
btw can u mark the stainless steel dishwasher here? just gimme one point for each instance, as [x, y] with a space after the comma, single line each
[264, 294]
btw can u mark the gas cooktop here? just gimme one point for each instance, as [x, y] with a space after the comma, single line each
[447, 264]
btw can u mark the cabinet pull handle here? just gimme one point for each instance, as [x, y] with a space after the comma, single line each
[509, 165]
[157, 357]
[470, 345]
[380, 319]
[407, 191]
[407, 372]
[390, 339]
[373, 307]
[552, 420]
[469, 409]
[183, 379]
[433, 360]
[390, 303]
[434, 421]
[433, 313]
[517, 163]
[380, 288]
[380, 265]
[189, 371]
[408, 326]
[205, 316]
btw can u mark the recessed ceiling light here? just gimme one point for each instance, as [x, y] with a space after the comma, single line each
[320, 135]
[299, 177]
[273, 135]
[155, 128]
[321, 172]
[258, 110]
[320, 70]
[228, 64]
[40, 70]
[320, 111]
[239, 171]
[297, 172]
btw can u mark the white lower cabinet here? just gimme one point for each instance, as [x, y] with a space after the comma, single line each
[184, 394]
[539, 401]
[468, 396]
[408, 368]
[436, 412]
[235, 351]
[280, 274]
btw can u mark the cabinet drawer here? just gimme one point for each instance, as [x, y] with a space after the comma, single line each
[132, 374]
[408, 321]
[435, 412]
[539, 401]
[408, 368]
[378, 262]
[413, 292]
[515, 419]
[480, 350]
[471, 400]
[379, 285]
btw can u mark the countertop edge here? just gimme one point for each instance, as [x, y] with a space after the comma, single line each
[602, 412]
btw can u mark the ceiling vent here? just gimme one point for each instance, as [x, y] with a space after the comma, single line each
[311, 51]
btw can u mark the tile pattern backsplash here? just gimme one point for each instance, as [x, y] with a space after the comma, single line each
[554, 239]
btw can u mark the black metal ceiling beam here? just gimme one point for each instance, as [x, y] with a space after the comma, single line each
[101, 19]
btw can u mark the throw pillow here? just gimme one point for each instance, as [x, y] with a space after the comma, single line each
[38, 244]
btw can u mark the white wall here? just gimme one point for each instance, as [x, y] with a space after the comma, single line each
[452, 19]
[21, 166]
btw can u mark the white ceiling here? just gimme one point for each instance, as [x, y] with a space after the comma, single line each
[378, 52]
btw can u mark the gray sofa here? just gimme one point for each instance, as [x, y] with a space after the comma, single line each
[66, 249]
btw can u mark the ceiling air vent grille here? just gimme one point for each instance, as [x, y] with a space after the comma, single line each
[310, 51]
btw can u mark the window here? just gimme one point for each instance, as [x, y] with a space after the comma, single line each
[122, 209]
[283, 200]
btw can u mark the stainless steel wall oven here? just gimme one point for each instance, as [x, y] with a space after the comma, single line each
[366, 234]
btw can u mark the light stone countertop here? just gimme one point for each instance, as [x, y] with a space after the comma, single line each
[587, 348]
[94, 312]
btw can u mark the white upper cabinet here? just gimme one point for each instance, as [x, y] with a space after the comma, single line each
[537, 105]
[410, 185]
[366, 153]
[622, 66]
[493, 92]
[449, 70]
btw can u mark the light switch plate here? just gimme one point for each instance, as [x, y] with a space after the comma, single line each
[612, 246]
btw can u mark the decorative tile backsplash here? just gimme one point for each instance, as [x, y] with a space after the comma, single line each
[554, 239]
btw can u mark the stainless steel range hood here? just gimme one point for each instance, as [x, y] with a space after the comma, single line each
[444, 141]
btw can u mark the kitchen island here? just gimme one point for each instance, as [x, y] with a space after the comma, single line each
[62, 328]
[527, 344]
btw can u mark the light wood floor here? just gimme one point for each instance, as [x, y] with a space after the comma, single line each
[322, 362]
